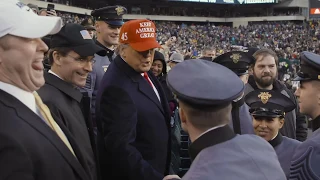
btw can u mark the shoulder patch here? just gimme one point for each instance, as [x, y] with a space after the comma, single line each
[301, 168]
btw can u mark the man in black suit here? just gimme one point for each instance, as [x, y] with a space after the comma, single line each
[32, 145]
[71, 60]
[132, 110]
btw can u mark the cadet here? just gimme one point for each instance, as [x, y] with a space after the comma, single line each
[306, 160]
[239, 62]
[205, 112]
[108, 23]
[268, 109]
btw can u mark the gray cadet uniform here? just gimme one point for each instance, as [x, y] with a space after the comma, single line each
[305, 163]
[239, 63]
[265, 105]
[111, 15]
[219, 153]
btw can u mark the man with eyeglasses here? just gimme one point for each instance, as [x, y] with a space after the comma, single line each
[133, 115]
[71, 58]
[108, 23]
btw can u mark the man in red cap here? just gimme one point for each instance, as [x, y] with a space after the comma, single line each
[132, 111]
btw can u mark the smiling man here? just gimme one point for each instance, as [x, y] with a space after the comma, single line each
[32, 144]
[71, 59]
[132, 110]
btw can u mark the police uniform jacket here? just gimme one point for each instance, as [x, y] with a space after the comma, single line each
[64, 101]
[94, 78]
[220, 154]
[133, 125]
[306, 159]
[241, 120]
[31, 150]
[295, 126]
[285, 148]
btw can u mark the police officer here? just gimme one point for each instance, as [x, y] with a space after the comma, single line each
[306, 160]
[268, 109]
[108, 23]
[204, 111]
[239, 62]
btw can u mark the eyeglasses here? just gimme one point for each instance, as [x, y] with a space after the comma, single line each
[83, 59]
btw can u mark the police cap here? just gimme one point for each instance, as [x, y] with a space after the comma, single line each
[88, 24]
[268, 103]
[309, 67]
[204, 84]
[110, 14]
[251, 50]
[238, 61]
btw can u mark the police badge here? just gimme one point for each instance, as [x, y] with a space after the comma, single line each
[235, 57]
[264, 96]
[119, 10]
[105, 68]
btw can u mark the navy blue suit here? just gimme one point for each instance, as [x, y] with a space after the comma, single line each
[133, 125]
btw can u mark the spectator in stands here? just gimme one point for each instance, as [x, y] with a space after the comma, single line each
[89, 26]
[175, 58]
[34, 8]
[44, 12]
[208, 53]
[159, 69]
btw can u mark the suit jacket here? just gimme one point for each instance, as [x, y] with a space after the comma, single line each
[220, 154]
[64, 101]
[31, 150]
[306, 159]
[133, 125]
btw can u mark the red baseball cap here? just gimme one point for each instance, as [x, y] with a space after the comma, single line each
[140, 34]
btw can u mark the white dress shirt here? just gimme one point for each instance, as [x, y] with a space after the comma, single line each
[23, 96]
[154, 88]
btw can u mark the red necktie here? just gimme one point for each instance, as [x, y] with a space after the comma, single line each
[145, 75]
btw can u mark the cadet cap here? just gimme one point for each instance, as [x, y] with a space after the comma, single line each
[268, 103]
[204, 84]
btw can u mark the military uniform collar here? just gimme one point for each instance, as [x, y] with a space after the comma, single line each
[316, 123]
[211, 138]
[109, 51]
[276, 141]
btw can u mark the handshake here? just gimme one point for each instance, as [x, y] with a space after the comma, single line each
[171, 177]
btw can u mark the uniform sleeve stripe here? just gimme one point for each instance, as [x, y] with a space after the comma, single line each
[301, 168]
